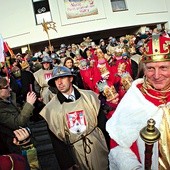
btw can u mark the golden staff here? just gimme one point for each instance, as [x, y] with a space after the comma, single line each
[29, 49]
[46, 27]
[149, 134]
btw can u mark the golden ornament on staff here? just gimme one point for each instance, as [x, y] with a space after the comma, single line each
[47, 26]
[149, 134]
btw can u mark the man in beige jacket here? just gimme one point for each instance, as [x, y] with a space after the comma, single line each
[72, 115]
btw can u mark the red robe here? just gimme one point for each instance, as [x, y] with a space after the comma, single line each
[156, 102]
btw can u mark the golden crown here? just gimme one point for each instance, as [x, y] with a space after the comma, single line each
[157, 49]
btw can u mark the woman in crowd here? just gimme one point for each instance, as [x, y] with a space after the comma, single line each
[69, 63]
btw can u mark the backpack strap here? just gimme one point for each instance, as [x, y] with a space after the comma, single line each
[42, 141]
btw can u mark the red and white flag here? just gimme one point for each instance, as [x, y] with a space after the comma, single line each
[2, 57]
[8, 51]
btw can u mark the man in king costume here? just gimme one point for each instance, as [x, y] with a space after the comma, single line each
[148, 97]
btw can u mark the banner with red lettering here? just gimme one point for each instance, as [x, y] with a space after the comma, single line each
[80, 8]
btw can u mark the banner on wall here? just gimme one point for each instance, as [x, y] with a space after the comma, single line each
[80, 8]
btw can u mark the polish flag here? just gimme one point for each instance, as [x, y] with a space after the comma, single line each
[2, 57]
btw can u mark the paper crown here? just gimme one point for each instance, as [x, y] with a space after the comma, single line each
[101, 85]
[157, 49]
[83, 63]
[24, 64]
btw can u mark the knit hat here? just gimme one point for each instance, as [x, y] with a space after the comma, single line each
[12, 161]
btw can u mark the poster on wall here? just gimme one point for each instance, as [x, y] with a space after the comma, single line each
[74, 11]
[80, 8]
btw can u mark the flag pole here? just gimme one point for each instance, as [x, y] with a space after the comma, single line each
[3, 57]
[29, 49]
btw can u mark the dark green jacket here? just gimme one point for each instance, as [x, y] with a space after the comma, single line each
[12, 118]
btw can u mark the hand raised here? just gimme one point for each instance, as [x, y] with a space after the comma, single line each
[31, 97]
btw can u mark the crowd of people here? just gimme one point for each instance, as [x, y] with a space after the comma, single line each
[83, 106]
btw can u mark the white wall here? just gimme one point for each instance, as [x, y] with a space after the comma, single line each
[18, 26]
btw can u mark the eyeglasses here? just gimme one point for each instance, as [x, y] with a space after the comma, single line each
[5, 87]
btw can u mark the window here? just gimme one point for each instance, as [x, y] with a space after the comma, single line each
[42, 11]
[118, 5]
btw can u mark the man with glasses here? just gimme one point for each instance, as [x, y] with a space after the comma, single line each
[11, 118]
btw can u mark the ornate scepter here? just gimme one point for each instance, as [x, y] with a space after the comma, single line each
[47, 26]
[149, 134]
